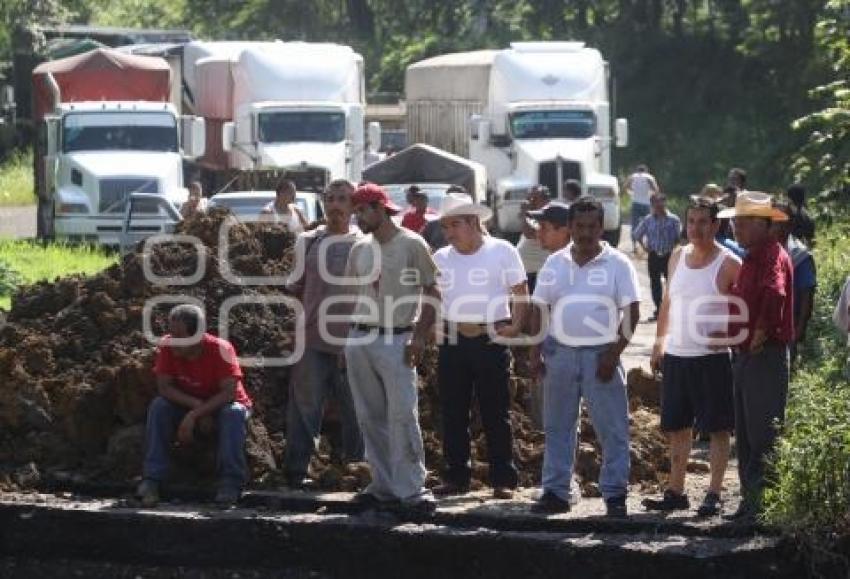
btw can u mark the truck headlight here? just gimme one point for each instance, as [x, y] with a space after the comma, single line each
[602, 192]
[72, 208]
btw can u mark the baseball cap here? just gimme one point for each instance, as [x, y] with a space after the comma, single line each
[554, 212]
[372, 193]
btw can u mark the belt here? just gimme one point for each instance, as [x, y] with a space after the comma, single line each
[473, 330]
[382, 329]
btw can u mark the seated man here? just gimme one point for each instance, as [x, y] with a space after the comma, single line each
[198, 378]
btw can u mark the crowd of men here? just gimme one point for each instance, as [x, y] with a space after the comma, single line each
[375, 293]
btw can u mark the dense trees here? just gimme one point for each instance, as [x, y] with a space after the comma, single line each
[706, 83]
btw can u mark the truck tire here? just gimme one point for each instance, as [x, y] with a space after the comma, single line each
[613, 236]
[44, 219]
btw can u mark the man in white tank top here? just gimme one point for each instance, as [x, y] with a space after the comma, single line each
[696, 373]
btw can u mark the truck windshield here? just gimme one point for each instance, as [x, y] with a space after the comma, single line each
[125, 131]
[553, 124]
[297, 126]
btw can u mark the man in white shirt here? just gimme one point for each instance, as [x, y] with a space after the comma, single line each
[477, 276]
[641, 186]
[590, 292]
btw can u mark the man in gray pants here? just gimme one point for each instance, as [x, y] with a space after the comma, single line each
[392, 270]
[765, 286]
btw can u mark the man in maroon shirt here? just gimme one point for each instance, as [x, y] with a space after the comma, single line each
[765, 285]
[198, 378]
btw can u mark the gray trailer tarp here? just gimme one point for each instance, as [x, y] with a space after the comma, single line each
[421, 163]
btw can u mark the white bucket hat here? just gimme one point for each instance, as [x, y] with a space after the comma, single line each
[460, 204]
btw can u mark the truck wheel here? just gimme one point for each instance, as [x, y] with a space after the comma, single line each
[44, 219]
[613, 237]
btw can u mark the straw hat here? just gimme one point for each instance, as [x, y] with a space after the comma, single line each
[460, 204]
[753, 204]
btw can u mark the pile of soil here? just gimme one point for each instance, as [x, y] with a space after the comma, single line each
[76, 379]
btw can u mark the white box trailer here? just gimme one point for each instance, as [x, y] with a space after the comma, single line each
[534, 113]
[279, 109]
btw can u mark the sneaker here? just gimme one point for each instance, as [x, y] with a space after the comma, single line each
[449, 488]
[670, 501]
[503, 493]
[227, 496]
[746, 514]
[148, 492]
[616, 507]
[550, 503]
[711, 505]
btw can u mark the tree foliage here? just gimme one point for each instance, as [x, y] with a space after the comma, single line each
[706, 84]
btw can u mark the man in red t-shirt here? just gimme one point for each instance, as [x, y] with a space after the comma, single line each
[765, 290]
[198, 378]
[419, 214]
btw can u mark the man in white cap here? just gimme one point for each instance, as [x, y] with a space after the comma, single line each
[765, 285]
[478, 274]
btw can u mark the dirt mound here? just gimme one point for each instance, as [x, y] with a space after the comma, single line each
[75, 370]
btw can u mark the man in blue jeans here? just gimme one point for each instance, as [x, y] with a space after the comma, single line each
[590, 291]
[198, 379]
[322, 255]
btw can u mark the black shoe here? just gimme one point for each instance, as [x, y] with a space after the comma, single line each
[365, 499]
[745, 515]
[449, 488]
[616, 507]
[301, 483]
[711, 505]
[550, 503]
[670, 501]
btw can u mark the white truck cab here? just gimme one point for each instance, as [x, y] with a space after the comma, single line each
[536, 113]
[99, 153]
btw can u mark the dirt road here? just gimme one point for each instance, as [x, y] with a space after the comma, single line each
[17, 222]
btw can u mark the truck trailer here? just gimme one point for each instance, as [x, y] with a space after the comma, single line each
[107, 131]
[534, 113]
[278, 109]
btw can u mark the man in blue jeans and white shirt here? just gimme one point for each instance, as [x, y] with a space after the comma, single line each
[591, 293]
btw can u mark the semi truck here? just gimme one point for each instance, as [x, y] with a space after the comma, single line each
[108, 130]
[278, 109]
[534, 113]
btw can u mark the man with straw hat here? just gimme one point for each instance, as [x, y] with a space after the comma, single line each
[478, 275]
[763, 330]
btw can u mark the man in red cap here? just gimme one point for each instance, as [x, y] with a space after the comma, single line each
[392, 271]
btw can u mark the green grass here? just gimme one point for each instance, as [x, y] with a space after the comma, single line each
[16, 181]
[809, 497]
[31, 262]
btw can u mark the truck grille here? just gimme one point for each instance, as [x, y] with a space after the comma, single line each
[115, 192]
[549, 174]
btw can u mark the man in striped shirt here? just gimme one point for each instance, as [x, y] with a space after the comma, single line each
[659, 233]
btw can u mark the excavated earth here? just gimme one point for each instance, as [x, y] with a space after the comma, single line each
[75, 375]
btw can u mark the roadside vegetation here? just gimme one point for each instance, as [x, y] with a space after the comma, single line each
[25, 262]
[16, 182]
[810, 495]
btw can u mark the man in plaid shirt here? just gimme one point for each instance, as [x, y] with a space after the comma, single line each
[658, 233]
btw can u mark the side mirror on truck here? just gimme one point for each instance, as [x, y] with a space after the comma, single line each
[228, 136]
[51, 132]
[193, 132]
[374, 137]
[621, 132]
